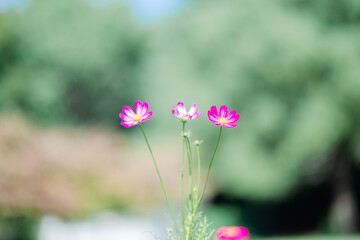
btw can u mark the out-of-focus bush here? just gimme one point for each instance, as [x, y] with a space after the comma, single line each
[331, 12]
[73, 173]
[293, 77]
[70, 61]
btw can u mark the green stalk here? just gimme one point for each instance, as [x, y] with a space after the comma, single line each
[190, 176]
[199, 169]
[191, 202]
[182, 180]
[208, 173]
[161, 181]
[206, 180]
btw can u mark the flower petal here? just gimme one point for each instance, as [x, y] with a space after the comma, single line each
[145, 108]
[175, 112]
[128, 111]
[212, 118]
[213, 109]
[196, 115]
[127, 124]
[138, 107]
[213, 115]
[125, 117]
[230, 125]
[231, 114]
[192, 110]
[223, 111]
[181, 108]
[147, 115]
[233, 119]
[233, 233]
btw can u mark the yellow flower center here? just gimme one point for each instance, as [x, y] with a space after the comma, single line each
[222, 120]
[183, 119]
[137, 117]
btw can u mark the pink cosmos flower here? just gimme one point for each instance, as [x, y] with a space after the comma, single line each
[233, 233]
[131, 118]
[179, 111]
[223, 118]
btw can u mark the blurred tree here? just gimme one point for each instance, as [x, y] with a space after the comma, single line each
[11, 92]
[290, 67]
[75, 62]
[331, 12]
[18, 228]
[293, 75]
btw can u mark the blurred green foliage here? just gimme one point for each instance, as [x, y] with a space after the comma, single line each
[290, 68]
[18, 228]
[69, 61]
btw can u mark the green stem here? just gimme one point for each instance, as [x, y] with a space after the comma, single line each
[206, 180]
[199, 169]
[207, 175]
[191, 197]
[182, 180]
[190, 176]
[161, 181]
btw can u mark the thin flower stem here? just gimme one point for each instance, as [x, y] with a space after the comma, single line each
[182, 180]
[191, 202]
[161, 181]
[199, 169]
[208, 173]
[190, 176]
[206, 180]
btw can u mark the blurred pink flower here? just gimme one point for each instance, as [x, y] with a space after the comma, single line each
[232, 233]
[223, 118]
[179, 111]
[131, 118]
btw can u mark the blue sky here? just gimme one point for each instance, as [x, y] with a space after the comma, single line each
[6, 4]
[152, 10]
[144, 10]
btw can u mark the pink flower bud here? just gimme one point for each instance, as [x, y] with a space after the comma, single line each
[232, 233]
